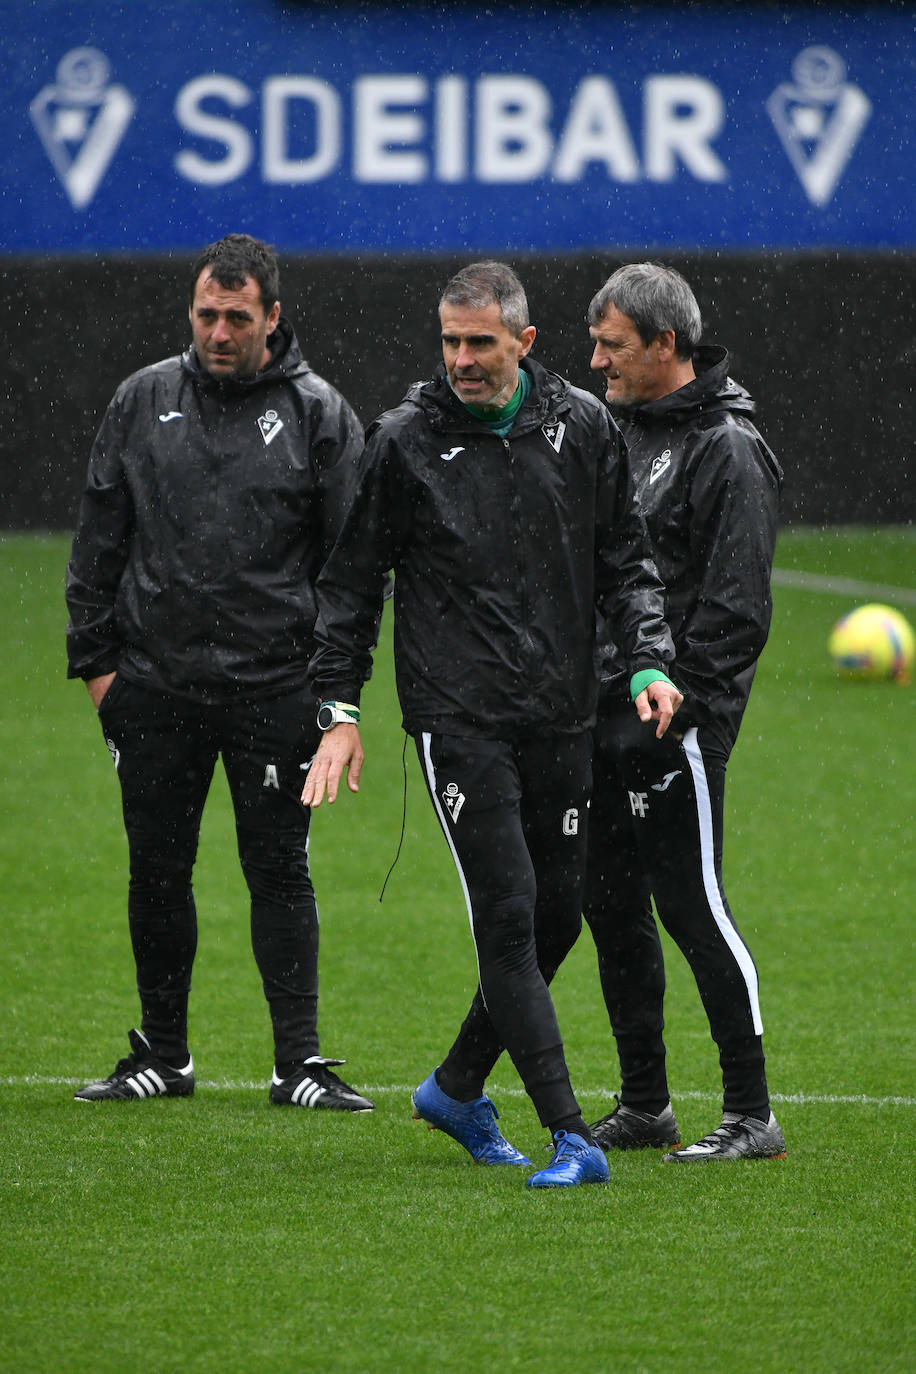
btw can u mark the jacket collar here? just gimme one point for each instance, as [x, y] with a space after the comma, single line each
[286, 360]
[548, 398]
[711, 388]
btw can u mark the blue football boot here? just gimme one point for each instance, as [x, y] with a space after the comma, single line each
[574, 1162]
[472, 1124]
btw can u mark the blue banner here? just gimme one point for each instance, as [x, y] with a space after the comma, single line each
[418, 129]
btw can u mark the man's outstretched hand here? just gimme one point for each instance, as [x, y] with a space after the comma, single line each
[340, 750]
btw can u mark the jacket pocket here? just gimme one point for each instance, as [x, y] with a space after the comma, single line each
[115, 690]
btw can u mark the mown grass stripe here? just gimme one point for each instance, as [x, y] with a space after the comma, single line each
[802, 1099]
[843, 586]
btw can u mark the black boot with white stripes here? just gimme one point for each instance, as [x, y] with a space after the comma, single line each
[312, 1084]
[139, 1076]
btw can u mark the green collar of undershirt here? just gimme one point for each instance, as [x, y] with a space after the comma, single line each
[502, 421]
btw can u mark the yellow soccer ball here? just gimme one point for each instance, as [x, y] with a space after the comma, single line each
[873, 644]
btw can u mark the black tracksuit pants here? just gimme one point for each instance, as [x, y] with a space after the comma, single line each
[165, 750]
[514, 816]
[656, 828]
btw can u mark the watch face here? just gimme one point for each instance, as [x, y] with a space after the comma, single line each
[325, 717]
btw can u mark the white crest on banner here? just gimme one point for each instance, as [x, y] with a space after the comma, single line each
[81, 119]
[819, 117]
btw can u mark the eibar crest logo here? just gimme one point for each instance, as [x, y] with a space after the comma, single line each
[659, 465]
[81, 120]
[270, 425]
[819, 119]
[554, 433]
[454, 799]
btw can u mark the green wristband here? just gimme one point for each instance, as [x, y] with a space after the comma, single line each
[336, 713]
[641, 680]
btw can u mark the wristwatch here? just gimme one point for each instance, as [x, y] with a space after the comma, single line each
[332, 713]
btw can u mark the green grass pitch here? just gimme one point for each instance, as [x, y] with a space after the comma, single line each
[219, 1234]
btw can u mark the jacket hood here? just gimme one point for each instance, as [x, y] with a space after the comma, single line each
[711, 389]
[286, 360]
[549, 395]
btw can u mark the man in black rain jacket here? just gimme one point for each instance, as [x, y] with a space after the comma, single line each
[708, 487]
[501, 497]
[217, 485]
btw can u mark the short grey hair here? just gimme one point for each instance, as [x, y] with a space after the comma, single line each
[490, 283]
[655, 298]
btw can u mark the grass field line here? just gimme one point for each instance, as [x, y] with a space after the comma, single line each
[402, 1090]
[842, 586]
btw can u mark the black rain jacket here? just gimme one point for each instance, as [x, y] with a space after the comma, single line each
[501, 550]
[208, 511]
[708, 487]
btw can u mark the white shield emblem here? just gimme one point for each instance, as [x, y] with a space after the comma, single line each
[554, 434]
[270, 425]
[819, 120]
[81, 120]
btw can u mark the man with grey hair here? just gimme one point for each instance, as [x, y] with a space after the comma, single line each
[501, 497]
[709, 487]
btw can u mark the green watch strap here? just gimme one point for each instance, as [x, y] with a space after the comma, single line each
[345, 706]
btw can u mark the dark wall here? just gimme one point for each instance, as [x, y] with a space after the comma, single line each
[822, 342]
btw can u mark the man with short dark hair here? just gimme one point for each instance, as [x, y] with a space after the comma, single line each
[217, 485]
[500, 496]
[708, 487]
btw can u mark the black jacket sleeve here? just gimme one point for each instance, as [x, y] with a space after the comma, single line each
[336, 445]
[630, 594]
[733, 516]
[100, 549]
[350, 588]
